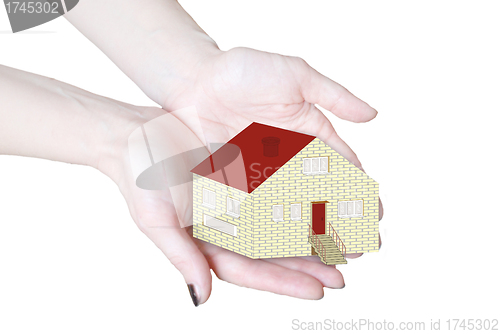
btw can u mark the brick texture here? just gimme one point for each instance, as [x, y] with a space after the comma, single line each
[242, 243]
[261, 237]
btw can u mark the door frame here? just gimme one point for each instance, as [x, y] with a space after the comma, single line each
[312, 216]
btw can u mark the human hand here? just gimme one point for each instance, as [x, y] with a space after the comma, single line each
[232, 90]
[177, 65]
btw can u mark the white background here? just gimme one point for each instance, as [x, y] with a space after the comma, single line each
[72, 260]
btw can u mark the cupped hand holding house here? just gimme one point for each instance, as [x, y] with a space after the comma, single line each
[280, 91]
[232, 90]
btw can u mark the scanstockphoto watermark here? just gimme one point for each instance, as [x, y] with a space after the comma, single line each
[385, 325]
[356, 325]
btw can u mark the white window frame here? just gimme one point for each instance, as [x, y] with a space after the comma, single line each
[300, 211]
[355, 212]
[234, 204]
[207, 196]
[282, 213]
[220, 225]
[315, 161]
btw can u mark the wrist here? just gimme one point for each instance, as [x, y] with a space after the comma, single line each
[116, 121]
[156, 43]
[176, 72]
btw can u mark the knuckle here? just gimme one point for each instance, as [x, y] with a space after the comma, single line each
[179, 261]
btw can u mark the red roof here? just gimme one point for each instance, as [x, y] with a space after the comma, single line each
[252, 156]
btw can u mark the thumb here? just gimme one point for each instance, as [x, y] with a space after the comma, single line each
[157, 218]
[180, 249]
[318, 89]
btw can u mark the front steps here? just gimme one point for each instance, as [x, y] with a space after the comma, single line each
[333, 255]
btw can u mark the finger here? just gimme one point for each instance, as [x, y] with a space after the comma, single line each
[380, 216]
[329, 276]
[318, 89]
[179, 248]
[380, 209]
[260, 275]
[315, 123]
[158, 220]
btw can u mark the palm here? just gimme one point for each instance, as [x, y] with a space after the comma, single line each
[244, 85]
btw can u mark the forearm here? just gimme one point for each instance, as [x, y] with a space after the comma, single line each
[155, 42]
[45, 118]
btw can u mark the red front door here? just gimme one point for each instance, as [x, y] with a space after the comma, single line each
[318, 218]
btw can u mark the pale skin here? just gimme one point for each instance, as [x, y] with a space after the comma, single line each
[230, 89]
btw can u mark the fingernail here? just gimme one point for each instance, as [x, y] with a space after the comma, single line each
[342, 287]
[193, 295]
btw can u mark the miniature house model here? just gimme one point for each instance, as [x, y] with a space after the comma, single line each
[271, 192]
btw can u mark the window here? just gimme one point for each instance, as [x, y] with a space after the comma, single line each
[220, 225]
[307, 166]
[317, 165]
[209, 198]
[278, 213]
[348, 209]
[233, 207]
[296, 211]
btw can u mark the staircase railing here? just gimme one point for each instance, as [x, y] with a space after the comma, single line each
[316, 242]
[336, 239]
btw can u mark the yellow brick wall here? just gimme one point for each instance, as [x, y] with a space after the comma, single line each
[260, 237]
[289, 185]
[243, 242]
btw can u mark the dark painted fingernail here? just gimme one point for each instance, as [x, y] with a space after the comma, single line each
[193, 295]
[342, 287]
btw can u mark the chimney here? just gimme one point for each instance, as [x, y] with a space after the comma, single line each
[270, 146]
